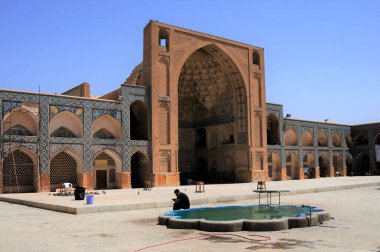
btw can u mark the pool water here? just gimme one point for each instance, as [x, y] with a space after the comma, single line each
[250, 212]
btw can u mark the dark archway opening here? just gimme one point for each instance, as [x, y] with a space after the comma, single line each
[139, 121]
[273, 130]
[362, 165]
[140, 169]
[324, 166]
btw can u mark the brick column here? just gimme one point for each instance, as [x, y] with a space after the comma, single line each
[44, 183]
[331, 172]
[301, 173]
[317, 172]
[283, 174]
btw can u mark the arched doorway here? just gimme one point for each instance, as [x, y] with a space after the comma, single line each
[324, 165]
[274, 167]
[19, 171]
[362, 164]
[63, 169]
[273, 130]
[350, 171]
[139, 121]
[106, 165]
[140, 170]
[292, 167]
[309, 165]
[211, 98]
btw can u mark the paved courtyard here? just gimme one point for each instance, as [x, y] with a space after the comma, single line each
[355, 227]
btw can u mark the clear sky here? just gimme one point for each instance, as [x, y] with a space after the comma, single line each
[322, 57]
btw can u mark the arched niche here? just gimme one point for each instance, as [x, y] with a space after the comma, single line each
[323, 139]
[139, 121]
[163, 39]
[164, 126]
[336, 140]
[274, 167]
[291, 138]
[273, 130]
[20, 121]
[256, 58]
[106, 127]
[292, 167]
[67, 124]
[307, 138]
[163, 76]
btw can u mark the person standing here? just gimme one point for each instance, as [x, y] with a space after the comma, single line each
[181, 202]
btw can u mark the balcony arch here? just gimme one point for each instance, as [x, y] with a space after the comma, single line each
[106, 127]
[291, 137]
[20, 121]
[307, 138]
[66, 124]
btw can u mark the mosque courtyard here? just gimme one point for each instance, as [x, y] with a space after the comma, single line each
[353, 203]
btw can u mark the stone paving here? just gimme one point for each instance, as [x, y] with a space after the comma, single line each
[355, 226]
[129, 199]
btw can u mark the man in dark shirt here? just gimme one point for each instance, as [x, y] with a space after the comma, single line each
[181, 202]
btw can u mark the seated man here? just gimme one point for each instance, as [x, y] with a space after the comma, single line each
[181, 202]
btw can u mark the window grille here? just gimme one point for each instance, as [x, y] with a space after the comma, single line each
[63, 169]
[17, 170]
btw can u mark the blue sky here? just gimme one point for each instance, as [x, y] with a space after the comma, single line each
[322, 57]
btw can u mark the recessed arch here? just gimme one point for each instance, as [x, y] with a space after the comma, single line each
[139, 121]
[349, 140]
[273, 130]
[291, 137]
[336, 140]
[64, 167]
[324, 165]
[140, 169]
[309, 163]
[212, 98]
[323, 139]
[106, 165]
[20, 171]
[274, 167]
[292, 167]
[307, 138]
[362, 164]
[256, 58]
[361, 139]
[106, 127]
[66, 123]
[20, 121]
[349, 164]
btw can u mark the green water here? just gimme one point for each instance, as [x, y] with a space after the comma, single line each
[241, 212]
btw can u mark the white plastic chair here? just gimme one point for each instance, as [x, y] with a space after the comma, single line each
[66, 185]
